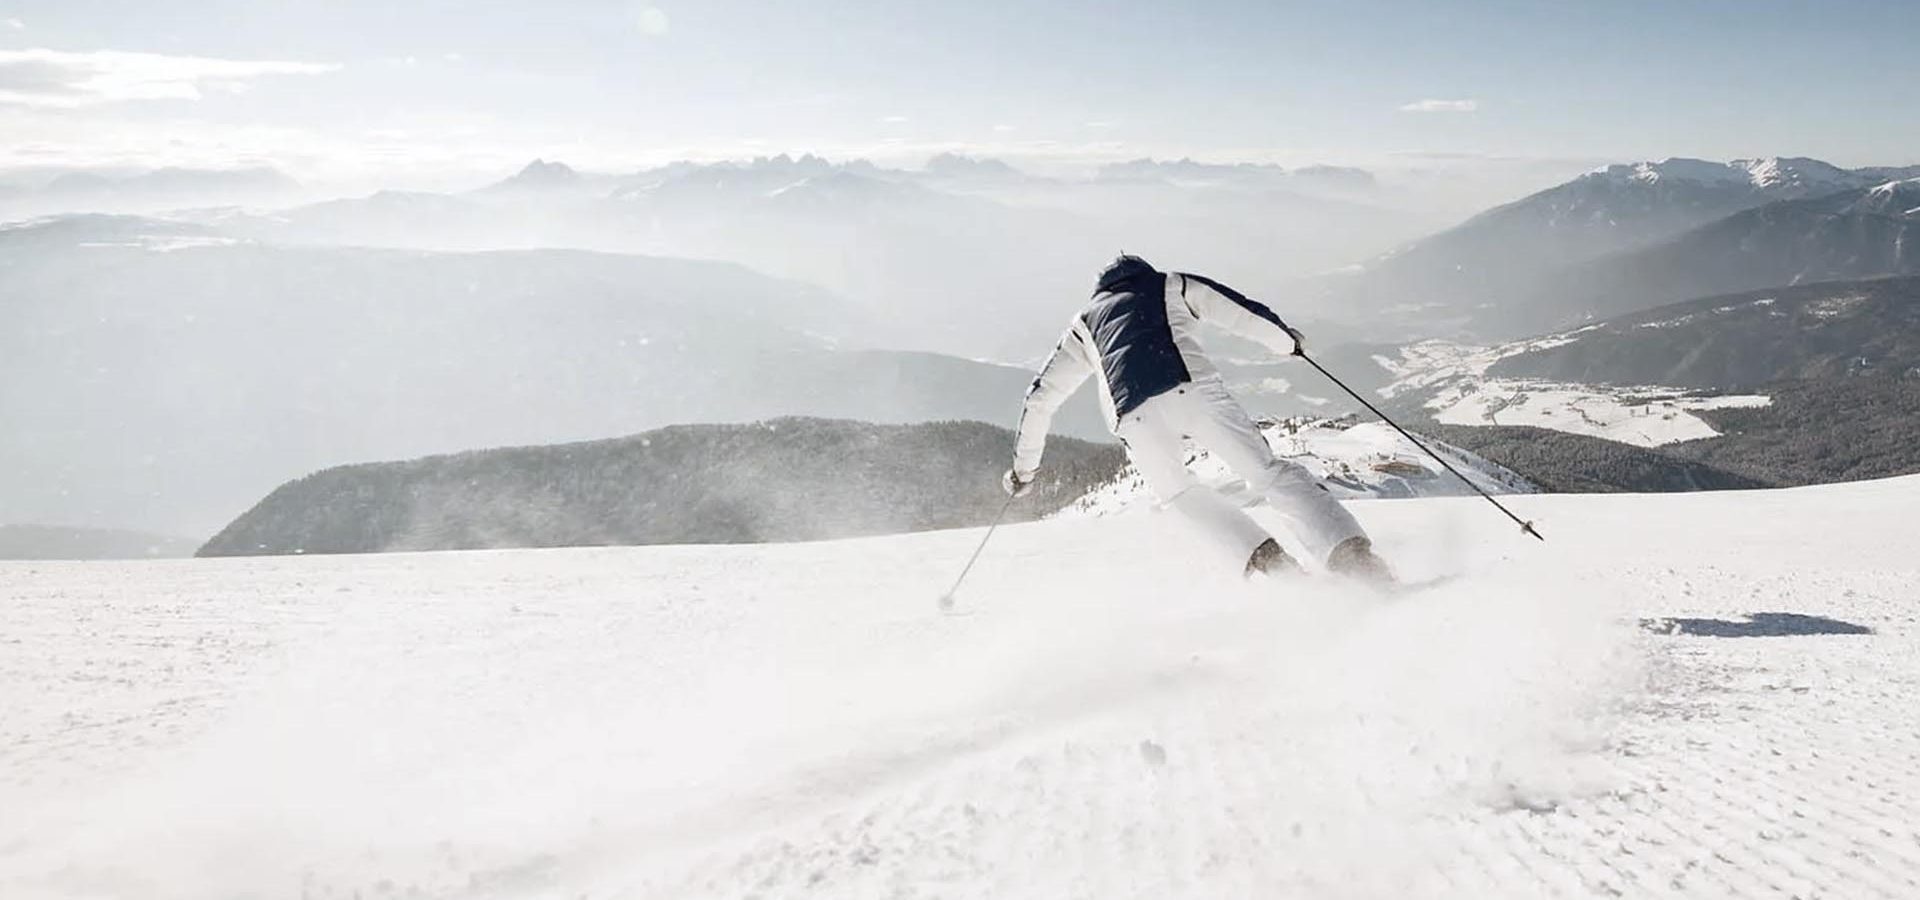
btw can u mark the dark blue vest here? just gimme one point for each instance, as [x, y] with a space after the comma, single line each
[1128, 321]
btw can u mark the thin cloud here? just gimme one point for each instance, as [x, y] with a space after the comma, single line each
[1442, 106]
[896, 120]
[14, 24]
[53, 78]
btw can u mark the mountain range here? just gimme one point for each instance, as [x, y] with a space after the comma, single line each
[174, 368]
[146, 191]
[1340, 180]
[968, 255]
[172, 373]
[1630, 237]
[991, 257]
[1849, 234]
[1621, 238]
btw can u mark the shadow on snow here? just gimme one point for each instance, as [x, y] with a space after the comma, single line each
[1764, 624]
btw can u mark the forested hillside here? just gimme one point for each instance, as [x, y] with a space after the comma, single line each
[781, 480]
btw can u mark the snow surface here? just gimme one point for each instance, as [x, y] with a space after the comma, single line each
[1367, 460]
[1102, 719]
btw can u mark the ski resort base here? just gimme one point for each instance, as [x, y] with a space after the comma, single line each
[1692, 695]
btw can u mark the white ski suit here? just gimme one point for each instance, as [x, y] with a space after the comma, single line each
[1158, 389]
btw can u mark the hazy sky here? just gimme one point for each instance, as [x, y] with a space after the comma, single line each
[438, 88]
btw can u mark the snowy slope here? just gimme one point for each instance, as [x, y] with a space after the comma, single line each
[1356, 461]
[796, 720]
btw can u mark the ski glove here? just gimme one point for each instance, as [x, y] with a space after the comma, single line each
[1015, 485]
[1299, 340]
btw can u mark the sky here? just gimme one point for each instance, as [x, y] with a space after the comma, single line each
[441, 90]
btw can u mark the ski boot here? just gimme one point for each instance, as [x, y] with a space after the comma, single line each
[1269, 560]
[1354, 558]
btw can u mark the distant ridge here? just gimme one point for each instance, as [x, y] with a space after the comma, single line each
[1637, 235]
[780, 480]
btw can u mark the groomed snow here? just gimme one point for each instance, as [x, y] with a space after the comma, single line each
[1104, 719]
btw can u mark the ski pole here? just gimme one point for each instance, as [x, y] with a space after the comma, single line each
[1525, 526]
[946, 599]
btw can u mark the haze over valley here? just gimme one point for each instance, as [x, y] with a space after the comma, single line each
[181, 362]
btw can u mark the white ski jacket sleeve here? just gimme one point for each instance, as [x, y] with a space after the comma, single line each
[1211, 301]
[1069, 366]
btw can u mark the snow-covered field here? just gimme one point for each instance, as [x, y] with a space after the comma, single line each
[1452, 381]
[1645, 417]
[1101, 719]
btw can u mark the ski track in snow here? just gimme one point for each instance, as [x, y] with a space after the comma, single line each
[798, 720]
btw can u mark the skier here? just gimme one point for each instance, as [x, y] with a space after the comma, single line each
[1158, 388]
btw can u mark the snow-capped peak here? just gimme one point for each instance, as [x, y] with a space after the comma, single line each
[1791, 171]
[1900, 199]
[1671, 169]
[540, 175]
[1771, 174]
[541, 172]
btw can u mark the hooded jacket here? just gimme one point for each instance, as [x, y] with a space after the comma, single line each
[1138, 334]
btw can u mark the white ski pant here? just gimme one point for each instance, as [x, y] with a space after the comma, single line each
[1204, 411]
